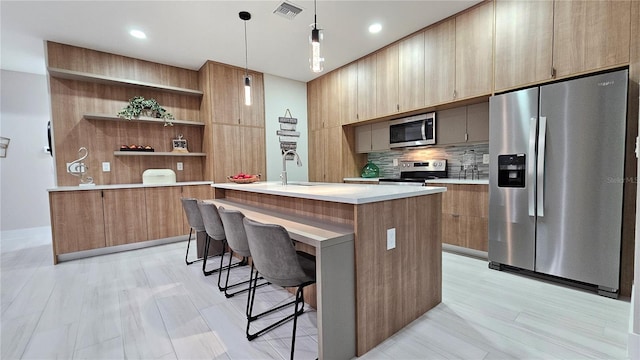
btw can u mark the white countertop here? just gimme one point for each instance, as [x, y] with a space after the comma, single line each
[436, 181]
[125, 186]
[334, 192]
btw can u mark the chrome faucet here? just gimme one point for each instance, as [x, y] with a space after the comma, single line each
[283, 175]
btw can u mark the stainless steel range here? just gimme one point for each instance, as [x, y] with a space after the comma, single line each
[417, 172]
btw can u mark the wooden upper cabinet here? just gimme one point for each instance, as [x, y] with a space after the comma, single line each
[225, 148]
[478, 122]
[252, 115]
[228, 96]
[348, 99]
[451, 126]
[330, 99]
[439, 63]
[314, 109]
[316, 152]
[411, 80]
[474, 52]
[367, 88]
[589, 35]
[252, 146]
[225, 94]
[387, 81]
[524, 40]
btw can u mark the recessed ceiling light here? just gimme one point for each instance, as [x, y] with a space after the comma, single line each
[375, 28]
[138, 34]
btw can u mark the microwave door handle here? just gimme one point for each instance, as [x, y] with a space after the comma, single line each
[542, 143]
[424, 134]
[531, 165]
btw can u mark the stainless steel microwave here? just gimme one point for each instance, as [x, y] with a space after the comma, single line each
[415, 130]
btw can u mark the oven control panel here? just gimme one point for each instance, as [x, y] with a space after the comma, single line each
[424, 165]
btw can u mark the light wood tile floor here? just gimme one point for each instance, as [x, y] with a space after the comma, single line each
[147, 304]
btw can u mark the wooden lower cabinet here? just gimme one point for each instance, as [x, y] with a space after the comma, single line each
[77, 221]
[125, 216]
[465, 215]
[164, 212]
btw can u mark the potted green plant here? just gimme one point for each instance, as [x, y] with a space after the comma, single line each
[139, 106]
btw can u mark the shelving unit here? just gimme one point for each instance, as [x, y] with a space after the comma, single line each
[109, 80]
[141, 119]
[156, 153]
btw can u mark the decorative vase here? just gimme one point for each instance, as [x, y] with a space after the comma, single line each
[370, 170]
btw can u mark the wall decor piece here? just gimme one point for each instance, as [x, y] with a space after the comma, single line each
[79, 168]
[288, 134]
[4, 145]
[179, 145]
[139, 106]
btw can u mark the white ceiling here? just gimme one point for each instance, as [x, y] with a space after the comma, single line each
[187, 33]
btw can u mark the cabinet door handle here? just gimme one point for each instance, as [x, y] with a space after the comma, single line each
[455, 94]
[398, 107]
[455, 215]
[553, 72]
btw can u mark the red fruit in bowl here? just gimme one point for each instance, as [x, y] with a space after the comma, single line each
[235, 177]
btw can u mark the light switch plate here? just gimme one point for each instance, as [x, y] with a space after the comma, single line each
[106, 166]
[179, 166]
[391, 238]
[485, 158]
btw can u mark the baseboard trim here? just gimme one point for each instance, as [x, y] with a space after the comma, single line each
[119, 248]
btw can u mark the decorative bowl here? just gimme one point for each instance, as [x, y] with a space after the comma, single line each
[250, 180]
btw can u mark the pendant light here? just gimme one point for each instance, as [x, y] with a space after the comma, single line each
[244, 15]
[316, 62]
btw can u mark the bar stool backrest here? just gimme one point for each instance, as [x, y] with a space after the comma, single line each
[194, 218]
[234, 230]
[211, 219]
[274, 254]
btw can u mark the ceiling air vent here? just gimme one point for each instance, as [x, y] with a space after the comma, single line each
[287, 10]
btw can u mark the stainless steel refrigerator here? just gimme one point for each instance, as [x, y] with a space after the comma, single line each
[556, 176]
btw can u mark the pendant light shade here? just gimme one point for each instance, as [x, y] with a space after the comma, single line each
[245, 16]
[316, 61]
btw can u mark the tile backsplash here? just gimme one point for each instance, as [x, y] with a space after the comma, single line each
[453, 154]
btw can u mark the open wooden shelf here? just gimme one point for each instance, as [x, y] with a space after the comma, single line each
[154, 153]
[109, 80]
[142, 119]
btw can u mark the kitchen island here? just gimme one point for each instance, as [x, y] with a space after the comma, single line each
[376, 282]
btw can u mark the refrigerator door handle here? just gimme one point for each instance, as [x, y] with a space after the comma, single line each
[531, 167]
[542, 138]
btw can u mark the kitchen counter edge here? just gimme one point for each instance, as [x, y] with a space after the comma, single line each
[434, 181]
[125, 186]
[335, 192]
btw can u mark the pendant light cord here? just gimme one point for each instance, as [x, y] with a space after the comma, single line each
[315, 15]
[246, 51]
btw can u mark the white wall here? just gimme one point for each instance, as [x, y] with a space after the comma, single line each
[27, 171]
[281, 94]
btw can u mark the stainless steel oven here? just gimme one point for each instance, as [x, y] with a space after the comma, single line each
[415, 173]
[418, 130]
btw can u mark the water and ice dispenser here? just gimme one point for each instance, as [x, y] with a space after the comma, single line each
[512, 170]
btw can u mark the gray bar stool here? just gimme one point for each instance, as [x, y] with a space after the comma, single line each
[277, 260]
[237, 241]
[215, 230]
[190, 206]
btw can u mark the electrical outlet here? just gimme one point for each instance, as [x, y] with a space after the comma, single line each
[485, 158]
[106, 166]
[395, 162]
[179, 166]
[391, 238]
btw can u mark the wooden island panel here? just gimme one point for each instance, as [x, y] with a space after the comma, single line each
[321, 210]
[395, 287]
